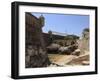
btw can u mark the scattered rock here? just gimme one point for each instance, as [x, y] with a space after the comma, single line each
[76, 52]
[85, 62]
[53, 48]
[64, 50]
[78, 60]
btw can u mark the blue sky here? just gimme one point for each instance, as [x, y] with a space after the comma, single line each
[64, 23]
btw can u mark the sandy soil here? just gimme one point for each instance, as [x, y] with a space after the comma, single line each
[60, 59]
[66, 60]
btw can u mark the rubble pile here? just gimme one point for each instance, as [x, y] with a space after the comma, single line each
[77, 54]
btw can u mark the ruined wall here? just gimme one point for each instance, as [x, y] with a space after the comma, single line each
[84, 41]
[35, 53]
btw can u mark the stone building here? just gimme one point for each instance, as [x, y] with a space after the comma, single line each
[59, 38]
[36, 55]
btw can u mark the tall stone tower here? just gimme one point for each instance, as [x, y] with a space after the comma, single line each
[42, 20]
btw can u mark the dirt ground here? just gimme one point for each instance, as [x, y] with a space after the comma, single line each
[68, 60]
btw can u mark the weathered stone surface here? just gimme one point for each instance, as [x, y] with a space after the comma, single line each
[78, 60]
[68, 49]
[76, 52]
[36, 54]
[64, 50]
[84, 41]
[85, 62]
[53, 48]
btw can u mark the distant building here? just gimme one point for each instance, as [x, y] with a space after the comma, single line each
[58, 33]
